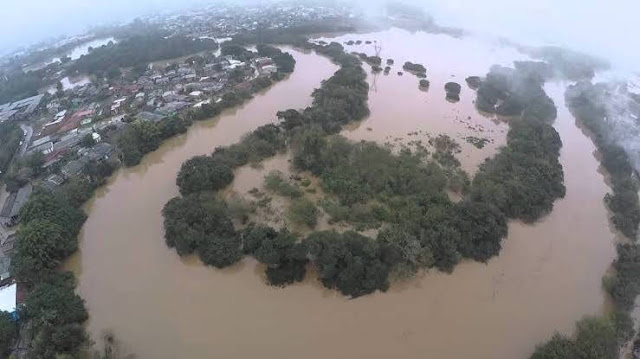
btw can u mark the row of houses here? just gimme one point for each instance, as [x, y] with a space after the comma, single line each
[19, 109]
[13, 204]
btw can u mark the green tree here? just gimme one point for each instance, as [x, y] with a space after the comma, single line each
[203, 173]
[349, 262]
[202, 224]
[267, 245]
[44, 205]
[58, 314]
[303, 211]
[87, 141]
[596, 339]
[40, 247]
[8, 332]
[558, 347]
[35, 162]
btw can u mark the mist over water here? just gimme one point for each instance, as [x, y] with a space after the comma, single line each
[598, 27]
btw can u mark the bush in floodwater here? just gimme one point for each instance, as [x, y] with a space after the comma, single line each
[473, 82]
[303, 211]
[453, 91]
[424, 83]
[417, 68]
[274, 181]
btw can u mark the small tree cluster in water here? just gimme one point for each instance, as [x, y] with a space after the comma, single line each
[402, 194]
[414, 68]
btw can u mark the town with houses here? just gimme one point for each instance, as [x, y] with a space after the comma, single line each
[74, 120]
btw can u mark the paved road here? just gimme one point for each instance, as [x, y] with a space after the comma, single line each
[28, 133]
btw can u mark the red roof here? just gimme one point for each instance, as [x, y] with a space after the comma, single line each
[73, 121]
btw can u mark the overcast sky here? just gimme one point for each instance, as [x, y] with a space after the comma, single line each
[603, 27]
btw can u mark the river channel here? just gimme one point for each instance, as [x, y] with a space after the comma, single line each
[547, 276]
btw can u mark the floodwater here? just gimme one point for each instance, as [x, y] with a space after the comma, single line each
[547, 276]
[69, 83]
[83, 48]
[402, 113]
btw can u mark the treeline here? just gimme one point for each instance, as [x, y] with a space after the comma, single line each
[373, 186]
[623, 285]
[10, 137]
[140, 49]
[141, 137]
[48, 235]
[50, 223]
[587, 102]
[595, 338]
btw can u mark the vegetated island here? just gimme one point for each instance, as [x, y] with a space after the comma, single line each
[402, 195]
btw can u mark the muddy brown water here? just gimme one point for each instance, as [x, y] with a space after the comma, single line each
[547, 276]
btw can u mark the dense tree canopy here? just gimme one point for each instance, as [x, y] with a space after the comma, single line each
[40, 247]
[8, 332]
[349, 262]
[57, 313]
[44, 205]
[203, 173]
[201, 224]
[140, 49]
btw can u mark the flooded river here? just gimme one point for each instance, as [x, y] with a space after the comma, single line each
[547, 276]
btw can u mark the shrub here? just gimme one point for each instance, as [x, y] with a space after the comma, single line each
[303, 211]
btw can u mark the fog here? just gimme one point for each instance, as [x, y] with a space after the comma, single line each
[26, 22]
[599, 27]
